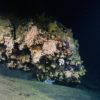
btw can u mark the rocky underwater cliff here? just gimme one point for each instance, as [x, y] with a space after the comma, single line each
[42, 46]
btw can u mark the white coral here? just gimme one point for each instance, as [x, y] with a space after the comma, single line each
[68, 74]
[21, 46]
[61, 62]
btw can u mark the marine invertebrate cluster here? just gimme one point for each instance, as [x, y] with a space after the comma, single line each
[51, 51]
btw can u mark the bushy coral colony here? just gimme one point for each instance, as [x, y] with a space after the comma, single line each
[43, 46]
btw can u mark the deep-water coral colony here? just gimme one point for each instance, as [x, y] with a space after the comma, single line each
[43, 46]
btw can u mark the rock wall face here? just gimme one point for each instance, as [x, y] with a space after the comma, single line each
[43, 46]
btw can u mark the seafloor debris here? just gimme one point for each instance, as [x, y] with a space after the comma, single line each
[49, 51]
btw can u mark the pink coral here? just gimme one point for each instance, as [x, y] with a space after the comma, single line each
[30, 36]
[8, 42]
[49, 47]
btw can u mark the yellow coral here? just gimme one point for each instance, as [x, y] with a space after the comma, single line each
[52, 26]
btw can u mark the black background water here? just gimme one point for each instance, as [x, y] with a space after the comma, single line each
[82, 16]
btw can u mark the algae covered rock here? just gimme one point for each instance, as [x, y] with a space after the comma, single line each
[43, 46]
